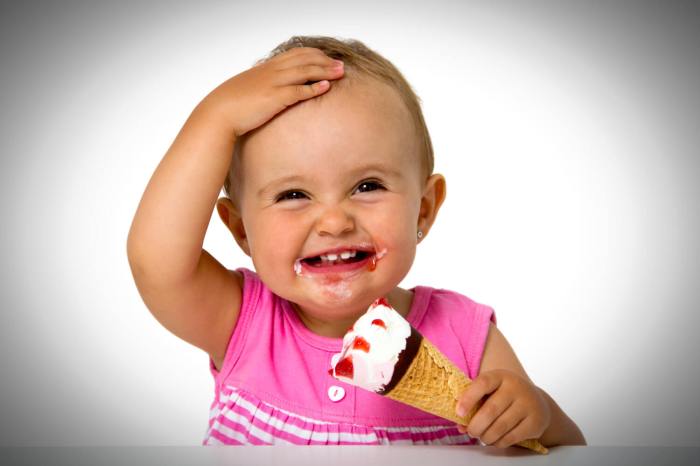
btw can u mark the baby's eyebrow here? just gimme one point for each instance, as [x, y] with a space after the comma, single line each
[381, 168]
[281, 180]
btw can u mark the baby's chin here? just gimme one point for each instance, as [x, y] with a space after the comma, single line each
[335, 294]
[340, 300]
[328, 321]
[341, 297]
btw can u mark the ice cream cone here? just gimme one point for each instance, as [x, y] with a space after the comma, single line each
[383, 353]
[433, 384]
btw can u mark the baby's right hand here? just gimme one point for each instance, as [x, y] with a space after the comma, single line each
[255, 96]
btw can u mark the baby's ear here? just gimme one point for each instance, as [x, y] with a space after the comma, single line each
[433, 196]
[230, 215]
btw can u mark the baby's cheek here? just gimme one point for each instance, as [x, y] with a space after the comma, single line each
[404, 251]
[408, 234]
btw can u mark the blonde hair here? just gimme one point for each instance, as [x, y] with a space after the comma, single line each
[362, 61]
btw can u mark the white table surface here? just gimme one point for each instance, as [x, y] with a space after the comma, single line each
[347, 456]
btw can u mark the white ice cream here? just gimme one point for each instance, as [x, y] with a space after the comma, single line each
[371, 348]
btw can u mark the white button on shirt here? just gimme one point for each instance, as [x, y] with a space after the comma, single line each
[336, 393]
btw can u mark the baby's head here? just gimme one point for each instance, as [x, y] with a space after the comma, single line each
[362, 65]
[331, 196]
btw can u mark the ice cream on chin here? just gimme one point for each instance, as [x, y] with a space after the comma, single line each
[371, 348]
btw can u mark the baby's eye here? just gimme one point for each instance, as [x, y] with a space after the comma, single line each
[369, 185]
[290, 196]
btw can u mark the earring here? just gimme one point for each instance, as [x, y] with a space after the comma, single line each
[420, 234]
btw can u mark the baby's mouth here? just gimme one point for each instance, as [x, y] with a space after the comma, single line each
[345, 257]
[351, 260]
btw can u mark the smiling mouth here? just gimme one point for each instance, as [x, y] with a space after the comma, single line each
[331, 259]
[346, 262]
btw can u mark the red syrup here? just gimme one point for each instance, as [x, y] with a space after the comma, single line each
[379, 323]
[372, 264]
[382, 302]
[360, 344]
[344, 368]
[332, 279]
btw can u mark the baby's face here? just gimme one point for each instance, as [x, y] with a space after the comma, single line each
[334, 177]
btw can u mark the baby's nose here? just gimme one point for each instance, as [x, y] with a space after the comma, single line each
[334, 220]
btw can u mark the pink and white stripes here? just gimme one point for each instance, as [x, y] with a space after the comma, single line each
[239, 418]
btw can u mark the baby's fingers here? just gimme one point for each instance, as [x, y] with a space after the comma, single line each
[294, 94]
[499, 432]
[294, 81]
[490, 418]
[521, 431]
[297, 55]
[483, 385]
[302, 64]
[305, 72]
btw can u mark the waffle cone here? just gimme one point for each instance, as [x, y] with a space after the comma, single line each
[433, 384]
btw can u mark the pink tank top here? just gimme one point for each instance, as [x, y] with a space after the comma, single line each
[274, 385]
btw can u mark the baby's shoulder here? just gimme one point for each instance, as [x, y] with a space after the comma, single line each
[447, 309]
[452, 301]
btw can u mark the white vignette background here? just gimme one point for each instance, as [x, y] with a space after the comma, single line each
[567, 132]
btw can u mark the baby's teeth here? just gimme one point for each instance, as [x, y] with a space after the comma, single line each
[345, 255]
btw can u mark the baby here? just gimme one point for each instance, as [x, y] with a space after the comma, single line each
[327, 166]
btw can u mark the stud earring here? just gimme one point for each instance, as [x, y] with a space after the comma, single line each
[420, 234]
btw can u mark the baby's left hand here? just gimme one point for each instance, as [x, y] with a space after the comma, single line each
[514, 409]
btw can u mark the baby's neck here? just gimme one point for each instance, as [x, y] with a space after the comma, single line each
[400, 299]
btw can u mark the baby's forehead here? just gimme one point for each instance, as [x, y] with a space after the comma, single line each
[362, 113]
[385, 99]
[356, 124]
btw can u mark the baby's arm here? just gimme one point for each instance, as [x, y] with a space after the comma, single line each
[515, 409]
[187, 290]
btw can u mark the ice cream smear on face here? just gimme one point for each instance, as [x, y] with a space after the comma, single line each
[371, 348]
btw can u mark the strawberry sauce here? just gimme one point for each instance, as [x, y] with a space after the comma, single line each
[382, 302]
[344, 368]
[379, 323]
[360, 344]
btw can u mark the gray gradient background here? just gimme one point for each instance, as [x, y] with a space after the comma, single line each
[567, 132]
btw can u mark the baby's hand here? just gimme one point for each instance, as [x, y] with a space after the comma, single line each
[515, 409]
[251, 98]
